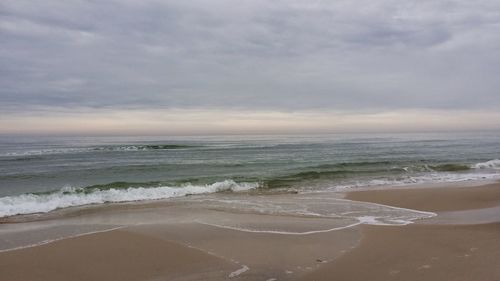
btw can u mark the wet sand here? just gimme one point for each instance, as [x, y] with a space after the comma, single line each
[113, 255]
[421, 251]
[434, 199]
[193, 251]
[268, 256]
[184, 250]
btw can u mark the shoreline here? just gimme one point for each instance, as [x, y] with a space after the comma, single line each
[84, 209]
[419, 252]
[430, 199]
[423, 251]
[223, 254]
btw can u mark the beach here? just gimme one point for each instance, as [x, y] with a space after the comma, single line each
[258, 141]
[424, 250]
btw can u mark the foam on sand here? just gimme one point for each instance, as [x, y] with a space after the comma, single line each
[319, 214]
[243, 269]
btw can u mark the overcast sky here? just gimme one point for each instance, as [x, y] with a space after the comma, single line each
[213, 66]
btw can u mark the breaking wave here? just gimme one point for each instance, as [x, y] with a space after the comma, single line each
[386, 172]
[71, 197]
[492, 164]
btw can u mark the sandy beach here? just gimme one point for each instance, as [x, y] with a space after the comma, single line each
[422, 251]
[194, 251]
[114, 255]
[298, 140]
[448, 198]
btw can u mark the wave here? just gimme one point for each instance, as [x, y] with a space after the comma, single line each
[492, 164]
[289, 180]
[144, 147]
[28, 155]
[352, 164]
[416, 179]
[450, 167]
[363, 174]
[71, 196]
[335, 176]
[455, 167]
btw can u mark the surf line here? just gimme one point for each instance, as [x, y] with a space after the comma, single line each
[243, 269]
[45, 242]
[280, 232]
[429, 214]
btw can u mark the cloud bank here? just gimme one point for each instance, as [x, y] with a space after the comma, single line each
[285, 58]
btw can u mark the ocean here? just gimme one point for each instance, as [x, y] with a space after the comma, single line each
[42, 174]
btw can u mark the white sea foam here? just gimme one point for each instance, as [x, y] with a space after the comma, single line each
[243, 269]
[74, 150]
[243, 229]
[69, 197]
[492, 164]
[342, 213]
[423, 178]
[48, 241]
[40, 152]
[480, 171]
[403, 217]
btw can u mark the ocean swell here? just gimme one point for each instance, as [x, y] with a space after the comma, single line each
[70, 196]
[116, 148]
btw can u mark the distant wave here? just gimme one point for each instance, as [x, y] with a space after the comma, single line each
[417, 179]
[365, 166]
[450, 167]
[356, 174]
[144, 147]
[70, 196]
[27, 155]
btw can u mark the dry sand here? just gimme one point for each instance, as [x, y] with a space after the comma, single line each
[420, 251]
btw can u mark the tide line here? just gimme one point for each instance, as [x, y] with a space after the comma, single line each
[280, 232]
[45, 242]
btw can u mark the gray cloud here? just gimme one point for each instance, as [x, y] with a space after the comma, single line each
[269, 55]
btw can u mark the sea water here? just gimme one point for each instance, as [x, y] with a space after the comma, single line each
[42, 174]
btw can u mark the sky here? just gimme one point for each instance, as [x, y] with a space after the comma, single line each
[217, 66]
